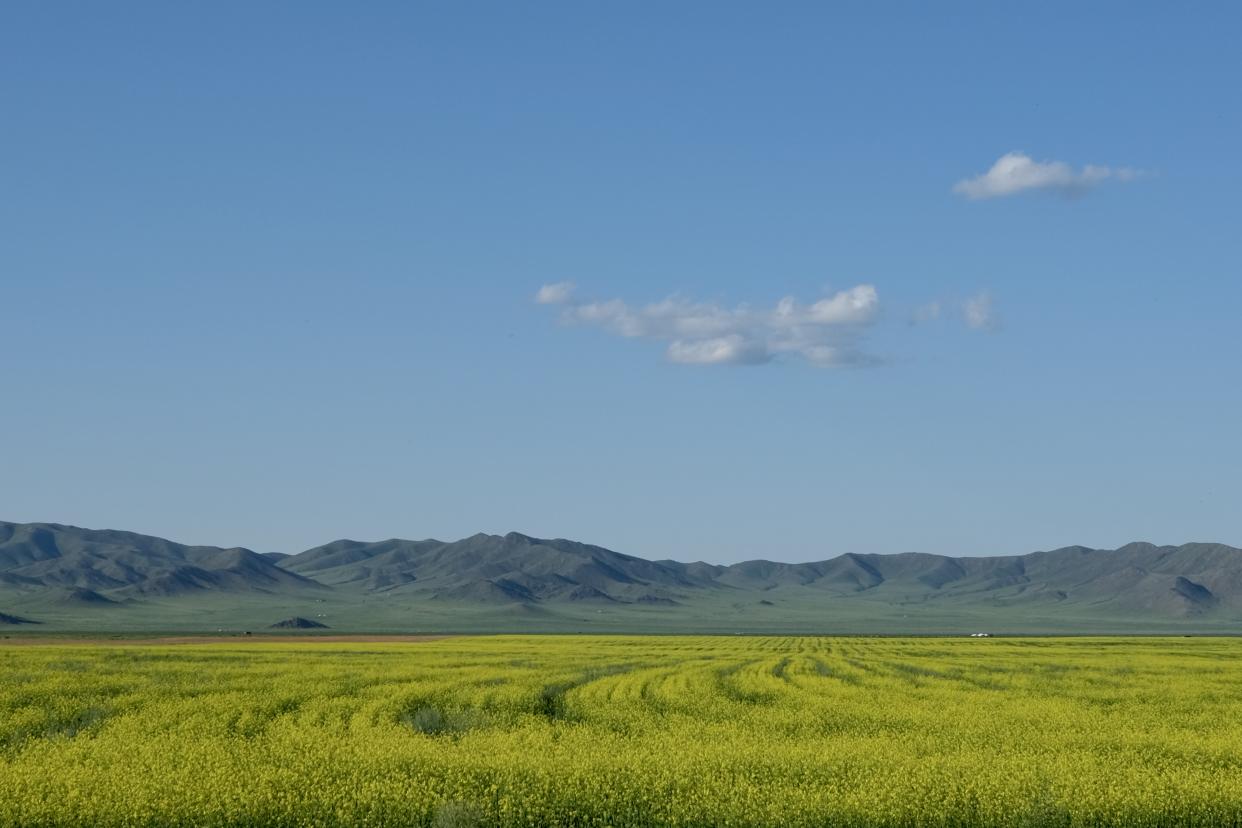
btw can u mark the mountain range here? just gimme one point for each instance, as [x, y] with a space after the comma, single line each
[72, 578]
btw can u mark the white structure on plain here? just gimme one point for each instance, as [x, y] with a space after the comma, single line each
[980, 635]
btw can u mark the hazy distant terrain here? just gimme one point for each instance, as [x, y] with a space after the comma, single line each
[67, 578]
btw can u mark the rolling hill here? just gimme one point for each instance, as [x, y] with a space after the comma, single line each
[71, 577]
[491, 567]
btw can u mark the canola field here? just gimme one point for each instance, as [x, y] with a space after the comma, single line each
[585, 731]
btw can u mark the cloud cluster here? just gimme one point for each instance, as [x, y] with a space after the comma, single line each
[826, 332]
[1016, 172]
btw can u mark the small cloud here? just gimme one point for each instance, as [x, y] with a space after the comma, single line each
[979, 313]
[722, 350]
[1016, 172]
[825, 332]
[557, 293]
[849, 307]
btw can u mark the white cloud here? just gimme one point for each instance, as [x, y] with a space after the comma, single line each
[557, 293]
[1017, 172]
[849, 306]
[734, 349]
[979, 313]
[825, 332]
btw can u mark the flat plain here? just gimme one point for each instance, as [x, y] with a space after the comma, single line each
[624, 730]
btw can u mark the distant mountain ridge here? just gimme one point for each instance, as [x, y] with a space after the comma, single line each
[1139, 577]
[104, 566]
[515, 566]
[98, 569]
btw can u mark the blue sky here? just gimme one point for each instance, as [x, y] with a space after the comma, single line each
[268, 273]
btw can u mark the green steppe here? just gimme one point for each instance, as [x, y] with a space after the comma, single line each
[577, 730]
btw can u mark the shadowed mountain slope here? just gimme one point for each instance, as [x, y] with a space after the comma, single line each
[89, 566]
[492, 568]
[1138, 578]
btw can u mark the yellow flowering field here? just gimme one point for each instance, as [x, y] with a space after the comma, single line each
[585, 730]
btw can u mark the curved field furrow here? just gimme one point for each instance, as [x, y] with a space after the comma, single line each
[612, 730]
